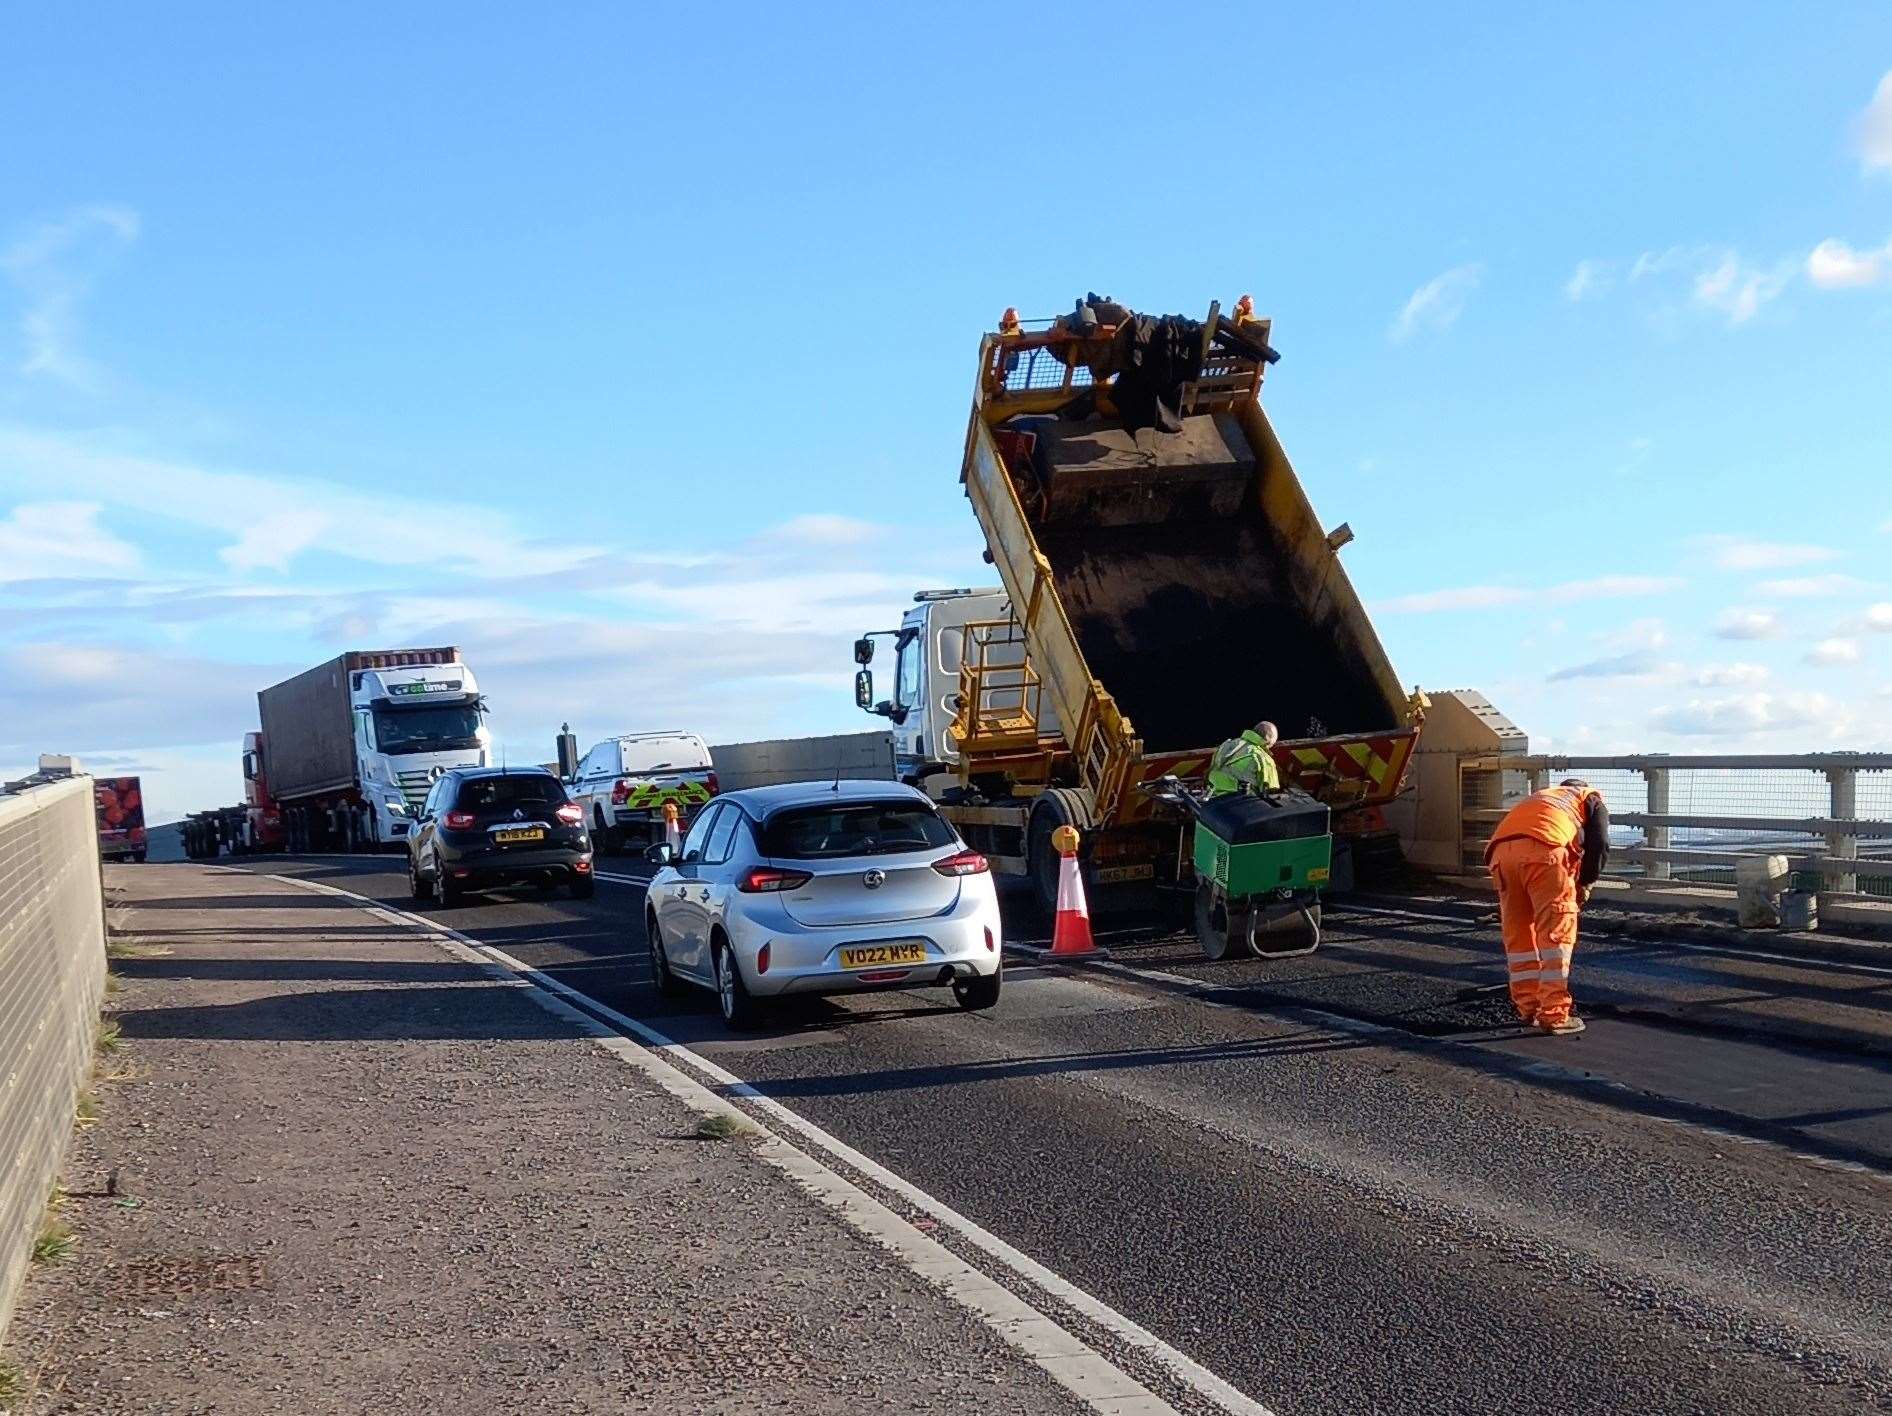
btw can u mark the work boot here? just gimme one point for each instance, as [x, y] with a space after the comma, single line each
[1561, 1025]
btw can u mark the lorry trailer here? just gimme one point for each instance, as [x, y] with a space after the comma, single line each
[348, 751]
[1160, 591]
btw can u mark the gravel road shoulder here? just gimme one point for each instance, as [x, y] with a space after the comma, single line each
[335, 1171]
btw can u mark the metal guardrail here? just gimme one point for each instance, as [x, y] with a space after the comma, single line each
[1694, 818]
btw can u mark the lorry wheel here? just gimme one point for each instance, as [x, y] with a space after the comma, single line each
[137, 857]
[1060, 806]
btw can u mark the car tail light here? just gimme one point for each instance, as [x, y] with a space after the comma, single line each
[965, 863]
[710, 782]
[764, 880]
[583, 867]
[570, 813]
[620, 792]
[990, 943]
[762, 959]
[458, 820]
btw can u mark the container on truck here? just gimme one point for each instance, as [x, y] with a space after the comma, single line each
[1160, 591]
[118, 804]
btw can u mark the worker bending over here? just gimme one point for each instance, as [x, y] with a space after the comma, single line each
[1246, 763]
[1544, 857]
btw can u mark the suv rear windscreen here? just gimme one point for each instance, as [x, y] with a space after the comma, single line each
[493, 793]
[664, 754]
[854, 829]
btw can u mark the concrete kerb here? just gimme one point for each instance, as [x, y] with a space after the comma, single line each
[1074, 1365]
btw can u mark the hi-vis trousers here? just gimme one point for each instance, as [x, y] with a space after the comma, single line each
[1537, 907]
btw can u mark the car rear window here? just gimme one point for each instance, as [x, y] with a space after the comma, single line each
[854, 829]
[664, 754]
[527, 789]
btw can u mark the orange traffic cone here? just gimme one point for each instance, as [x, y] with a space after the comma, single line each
[1071, 934]
[673, 831]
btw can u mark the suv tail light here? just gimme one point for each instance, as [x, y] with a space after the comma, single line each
[458, 820]
[765, 880]
[570, 813]
[710, 782]
[620, 792]
[965, 863]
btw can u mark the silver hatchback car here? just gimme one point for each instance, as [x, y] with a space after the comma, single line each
[823, 887]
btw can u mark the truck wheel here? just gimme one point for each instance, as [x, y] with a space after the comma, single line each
[137, 857]
[602, 835]
[1060, 806]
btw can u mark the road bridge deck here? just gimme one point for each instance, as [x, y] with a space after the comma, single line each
[1337, 1209]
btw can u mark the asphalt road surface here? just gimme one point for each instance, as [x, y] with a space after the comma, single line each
[1339, 1183]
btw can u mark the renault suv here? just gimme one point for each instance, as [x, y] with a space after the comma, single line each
[822, 887]
[487, 826]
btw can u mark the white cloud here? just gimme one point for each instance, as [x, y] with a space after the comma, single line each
[1733, 287]
[1639, 663]
[1486, 597]
[1588, 280]
[1744, 553]
[1735, 675]
[54, 265]
[1834, 651]
[1744, 714]
[1647, 633]
[272, 519]
[1874, 129]
[45, 539]
[1834, 265]
[1748, 624]
[1813, 587]
[1437, 303]
[825, 529]
[1879, 617]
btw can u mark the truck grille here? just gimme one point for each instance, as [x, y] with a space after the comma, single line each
[415, 786]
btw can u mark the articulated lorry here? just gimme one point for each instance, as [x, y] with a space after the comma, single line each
[348, 752]
[1160, 591]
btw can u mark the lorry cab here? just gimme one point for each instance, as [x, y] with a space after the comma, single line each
[412, 724]
[923, 695]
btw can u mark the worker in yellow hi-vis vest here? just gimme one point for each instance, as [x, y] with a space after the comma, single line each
[1246, 763]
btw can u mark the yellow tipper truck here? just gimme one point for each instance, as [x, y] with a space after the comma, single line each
[1165, 584]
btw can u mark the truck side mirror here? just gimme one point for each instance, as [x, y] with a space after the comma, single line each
[864, 685]
[864, 651]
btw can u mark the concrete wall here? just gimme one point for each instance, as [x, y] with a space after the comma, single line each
[52, 976]
[763, 764]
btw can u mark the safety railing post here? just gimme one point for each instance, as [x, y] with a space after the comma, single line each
[1842, 790]
[1657, 837]
[1540, 778]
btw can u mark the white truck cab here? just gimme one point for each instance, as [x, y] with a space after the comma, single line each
[412, 724]
[924, 696]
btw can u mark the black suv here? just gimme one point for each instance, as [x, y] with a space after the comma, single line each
[486, 826]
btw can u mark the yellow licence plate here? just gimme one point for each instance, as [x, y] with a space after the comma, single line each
[1116, 874]
[883, 955]
[519, 833]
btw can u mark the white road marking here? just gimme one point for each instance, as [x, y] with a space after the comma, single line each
[1094, 1380]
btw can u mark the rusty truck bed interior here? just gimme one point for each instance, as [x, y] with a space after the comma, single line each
[1178, 589]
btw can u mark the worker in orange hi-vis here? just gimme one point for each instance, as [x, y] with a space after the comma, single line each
[1544, 857]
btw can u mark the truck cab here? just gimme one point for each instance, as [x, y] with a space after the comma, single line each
[412, 724]
[923, 691]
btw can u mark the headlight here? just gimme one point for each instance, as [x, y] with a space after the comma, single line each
[396, 807]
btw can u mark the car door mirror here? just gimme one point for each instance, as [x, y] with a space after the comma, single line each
[663, 853]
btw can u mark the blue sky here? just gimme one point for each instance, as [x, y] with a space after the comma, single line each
[631, 351]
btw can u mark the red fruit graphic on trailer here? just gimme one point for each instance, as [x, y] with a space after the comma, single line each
[120, 806]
